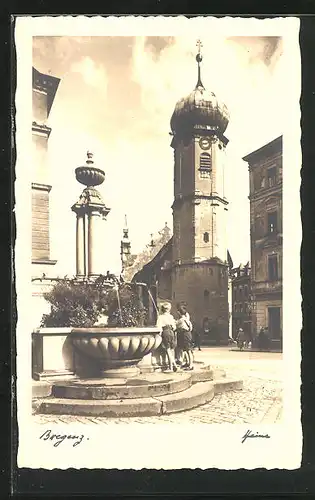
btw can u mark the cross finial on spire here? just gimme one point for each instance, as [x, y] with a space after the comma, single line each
[199, 45]
[199, 59]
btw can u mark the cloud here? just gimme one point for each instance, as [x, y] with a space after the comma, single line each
[92, 73]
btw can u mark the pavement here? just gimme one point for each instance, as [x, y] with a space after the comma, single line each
[260, 401]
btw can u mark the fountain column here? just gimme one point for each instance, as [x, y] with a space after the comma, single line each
[94, 232]
[91, 212]
[80, 246]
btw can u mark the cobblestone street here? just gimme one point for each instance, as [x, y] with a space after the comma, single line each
[260, 401]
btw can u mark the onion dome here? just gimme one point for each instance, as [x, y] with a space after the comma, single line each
[200, 109]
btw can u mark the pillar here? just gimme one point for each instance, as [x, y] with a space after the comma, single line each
[230, 301]
[94, 239]
[80, 246]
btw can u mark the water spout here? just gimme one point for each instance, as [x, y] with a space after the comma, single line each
[116, 287]
[153, 301]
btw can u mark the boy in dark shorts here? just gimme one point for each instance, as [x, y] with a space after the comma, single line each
[184, 337]
[167, 325]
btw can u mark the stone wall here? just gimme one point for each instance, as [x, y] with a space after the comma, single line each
[204, 287]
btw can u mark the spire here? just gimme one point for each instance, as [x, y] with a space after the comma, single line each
[199, 59]
[125, 246]
[125, 229]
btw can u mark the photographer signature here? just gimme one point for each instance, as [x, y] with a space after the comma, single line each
[250, 434]
[57, 439]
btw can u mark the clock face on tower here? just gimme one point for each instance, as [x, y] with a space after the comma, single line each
[204, 143]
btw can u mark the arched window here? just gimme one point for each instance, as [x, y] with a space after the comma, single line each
[206, 295]
[206, 237]
[205, 162]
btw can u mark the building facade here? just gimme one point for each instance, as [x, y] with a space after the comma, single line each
[44, 88]
[265, 176]
[241, 300]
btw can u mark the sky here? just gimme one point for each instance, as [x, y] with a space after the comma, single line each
[116, 97]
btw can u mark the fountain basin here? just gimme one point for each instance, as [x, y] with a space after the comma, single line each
[113, 352]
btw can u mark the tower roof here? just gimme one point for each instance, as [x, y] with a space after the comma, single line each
[46, 83]
[200, 108]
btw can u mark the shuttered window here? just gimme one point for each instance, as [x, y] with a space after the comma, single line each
[40, 222]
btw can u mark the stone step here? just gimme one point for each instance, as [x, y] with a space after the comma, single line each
[196, 395]
[145, 407]
[227, 384]
[203, 375]
[41, 389]
[152, 385]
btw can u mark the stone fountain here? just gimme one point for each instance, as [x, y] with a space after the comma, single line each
[107, 352]
[108, 375]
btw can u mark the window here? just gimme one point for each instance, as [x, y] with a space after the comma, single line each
[206, 295]
[272, 267]
[205, 162]
[241, 308]
[259, 227]
[272, 176]
[245, 308]
[235, 308]
[241, 292]
[246, 291]
[206, 237]
[272, 222]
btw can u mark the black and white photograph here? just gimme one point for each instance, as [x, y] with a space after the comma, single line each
[158, 240]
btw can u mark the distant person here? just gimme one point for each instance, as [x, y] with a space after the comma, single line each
[267, 340]
[262, 340]
[241, 339]
[184, 338]
[167, 325]
[248, 339]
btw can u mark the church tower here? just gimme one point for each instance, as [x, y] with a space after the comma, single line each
[199, 260]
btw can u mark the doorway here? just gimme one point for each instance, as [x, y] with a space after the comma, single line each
[274, 322]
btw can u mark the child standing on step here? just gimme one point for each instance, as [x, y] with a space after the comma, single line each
[167, 325]
[184, 337]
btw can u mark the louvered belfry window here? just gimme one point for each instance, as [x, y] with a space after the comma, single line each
[205, 165]
[205, 161]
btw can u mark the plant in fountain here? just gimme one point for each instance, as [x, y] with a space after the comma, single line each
[116, 350]
[125, 307]
[75, 304]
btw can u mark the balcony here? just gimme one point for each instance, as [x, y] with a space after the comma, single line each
[268, 240]
[260, 287]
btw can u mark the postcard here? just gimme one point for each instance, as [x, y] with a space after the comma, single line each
[157, 257]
